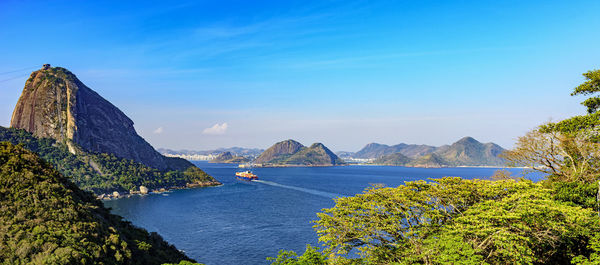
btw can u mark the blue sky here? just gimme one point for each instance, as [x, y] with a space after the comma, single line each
[207, 74]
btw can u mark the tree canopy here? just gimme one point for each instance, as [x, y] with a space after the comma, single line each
[47, 219]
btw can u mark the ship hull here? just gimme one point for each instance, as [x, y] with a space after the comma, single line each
[246, 179]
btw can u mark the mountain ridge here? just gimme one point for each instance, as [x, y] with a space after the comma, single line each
[467, 151]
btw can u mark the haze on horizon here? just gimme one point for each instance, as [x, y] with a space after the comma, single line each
[203, 75]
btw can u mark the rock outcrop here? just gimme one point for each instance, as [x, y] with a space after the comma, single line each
[55, 104]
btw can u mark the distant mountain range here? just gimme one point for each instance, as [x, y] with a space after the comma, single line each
[236, 151]
[465, 152]
[227, 157]
[375, 150]
[293, 153]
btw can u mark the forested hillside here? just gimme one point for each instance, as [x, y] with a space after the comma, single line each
[46, 219]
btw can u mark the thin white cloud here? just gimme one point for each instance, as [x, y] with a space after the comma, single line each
[216, 129]
[158, 130]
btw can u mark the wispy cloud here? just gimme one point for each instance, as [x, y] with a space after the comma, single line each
[217, 129]
[158, 130]
[361, 61]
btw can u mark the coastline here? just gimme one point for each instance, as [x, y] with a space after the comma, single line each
[117, 195]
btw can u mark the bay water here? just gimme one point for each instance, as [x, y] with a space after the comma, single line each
[243, 222]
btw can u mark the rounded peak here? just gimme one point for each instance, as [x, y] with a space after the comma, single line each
[467, 139]
[290, 142]
[53, 73]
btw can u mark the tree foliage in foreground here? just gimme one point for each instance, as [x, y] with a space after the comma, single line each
[46, 219]
[452, 220]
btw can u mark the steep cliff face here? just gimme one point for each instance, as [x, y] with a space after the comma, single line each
[55, 104]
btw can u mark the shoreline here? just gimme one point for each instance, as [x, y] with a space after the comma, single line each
[117, 195]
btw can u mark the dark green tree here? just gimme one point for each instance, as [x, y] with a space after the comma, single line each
[589, 87]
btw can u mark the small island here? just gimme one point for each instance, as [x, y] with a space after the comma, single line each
[290, 153]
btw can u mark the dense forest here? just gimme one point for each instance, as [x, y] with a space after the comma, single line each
[105, 173]
[47, 219]
[506, 220]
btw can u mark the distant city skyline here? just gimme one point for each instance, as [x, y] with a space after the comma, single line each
[204, 75]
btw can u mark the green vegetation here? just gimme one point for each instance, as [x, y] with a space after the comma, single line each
[311, 256]
[104, 173]
[501, 221]
[47, 219]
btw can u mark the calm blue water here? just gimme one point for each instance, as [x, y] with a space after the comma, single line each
[244, 222]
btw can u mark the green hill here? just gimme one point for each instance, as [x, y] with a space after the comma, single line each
[47, 219]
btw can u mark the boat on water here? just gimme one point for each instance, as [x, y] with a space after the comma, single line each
[246, 175]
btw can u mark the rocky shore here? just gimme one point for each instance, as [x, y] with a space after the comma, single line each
[142, 190]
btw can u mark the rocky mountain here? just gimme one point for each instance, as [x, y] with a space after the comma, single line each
[279, 152]
[89, 139]
[227, 157]
[56, 104]
[46, 219]
[465, 152]
[375, 150]
[292, 153]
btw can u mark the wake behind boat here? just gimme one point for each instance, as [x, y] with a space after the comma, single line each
[246, 175]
